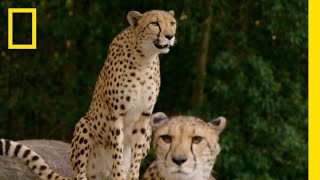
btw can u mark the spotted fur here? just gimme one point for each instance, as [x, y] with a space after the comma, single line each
[113, 137]
[186, 147]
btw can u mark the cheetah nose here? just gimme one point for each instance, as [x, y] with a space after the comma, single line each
[168, 37]
[179, 159]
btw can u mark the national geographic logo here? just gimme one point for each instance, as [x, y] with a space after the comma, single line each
[33, 12]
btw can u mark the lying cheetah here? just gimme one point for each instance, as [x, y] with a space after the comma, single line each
[113, 137]
[186, 147]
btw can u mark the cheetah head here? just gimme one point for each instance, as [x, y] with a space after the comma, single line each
[155, 30]
[186, 147]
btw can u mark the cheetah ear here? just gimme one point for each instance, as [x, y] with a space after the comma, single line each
[171, 12]
[133, 17]
[157, 119]
[219, 124]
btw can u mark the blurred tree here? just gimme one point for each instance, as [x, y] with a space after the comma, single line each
[245, 60]
[202, 61]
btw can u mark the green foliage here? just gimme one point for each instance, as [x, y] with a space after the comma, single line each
[256, 76]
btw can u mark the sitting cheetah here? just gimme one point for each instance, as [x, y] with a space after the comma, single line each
[186, 147]
[113, 137]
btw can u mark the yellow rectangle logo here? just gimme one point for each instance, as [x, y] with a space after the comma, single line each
[33, 44]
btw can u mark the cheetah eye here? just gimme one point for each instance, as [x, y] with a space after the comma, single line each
[166, 138]
[196, 139]
[173, 23]
[155, 23]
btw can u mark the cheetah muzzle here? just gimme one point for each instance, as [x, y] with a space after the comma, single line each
[159, 46]
[156, 43]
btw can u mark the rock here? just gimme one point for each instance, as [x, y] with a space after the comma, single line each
[55, 153]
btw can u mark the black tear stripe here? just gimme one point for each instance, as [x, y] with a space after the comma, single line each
[194, 156]
[159, 30]
[1, 148]
[159, 33]
[166, 157]
[209, 146]
[7, 146]
[17, 150]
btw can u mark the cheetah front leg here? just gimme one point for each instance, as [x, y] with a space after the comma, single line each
[117, 146]
[140, 144]
[80, 149]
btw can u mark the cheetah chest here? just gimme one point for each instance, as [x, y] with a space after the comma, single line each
[137, 95]
[142, 100]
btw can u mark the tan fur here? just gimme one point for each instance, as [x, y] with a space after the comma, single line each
[113, 137]
[186, 148]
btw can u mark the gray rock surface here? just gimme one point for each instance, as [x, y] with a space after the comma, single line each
[55, 153]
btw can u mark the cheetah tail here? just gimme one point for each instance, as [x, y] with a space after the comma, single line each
[30, 158]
